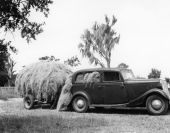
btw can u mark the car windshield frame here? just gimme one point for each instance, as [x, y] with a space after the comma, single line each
[127, 74]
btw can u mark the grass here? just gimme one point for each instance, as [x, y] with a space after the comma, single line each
[15, 119]
[47, 124]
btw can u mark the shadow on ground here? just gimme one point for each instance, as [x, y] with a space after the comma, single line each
[129, 111]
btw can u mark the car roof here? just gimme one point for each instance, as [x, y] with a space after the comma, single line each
[101, 69]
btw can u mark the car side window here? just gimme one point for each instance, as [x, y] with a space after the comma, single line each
[92, 77]
[88, 77]
[80, 78]
[111, 76]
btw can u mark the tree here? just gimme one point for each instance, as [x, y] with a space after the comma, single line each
[122, 65]
[154, 73]
[11, 72]
[49, 58]
[5, 53]
[15, 15]
[99, 42]
[73, 61]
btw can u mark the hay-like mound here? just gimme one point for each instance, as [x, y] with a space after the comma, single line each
[43, 79]
[92, 77]
[51, 81]
[65, 96]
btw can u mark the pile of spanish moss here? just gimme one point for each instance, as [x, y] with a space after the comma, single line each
[65, 96]
[49, 81]
[92, 77]
[46, 80]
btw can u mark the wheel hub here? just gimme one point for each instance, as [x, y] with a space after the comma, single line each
[156, 104]
[80, 103]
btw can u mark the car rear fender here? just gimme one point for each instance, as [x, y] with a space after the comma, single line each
[82, 93]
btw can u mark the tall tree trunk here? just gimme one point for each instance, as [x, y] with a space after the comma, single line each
[108, 63]
[108, 59]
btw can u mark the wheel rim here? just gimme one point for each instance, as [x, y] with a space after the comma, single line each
[79, 104]
[157, 104]
[27, 102]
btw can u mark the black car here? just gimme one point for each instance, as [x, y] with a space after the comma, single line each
[118, 88]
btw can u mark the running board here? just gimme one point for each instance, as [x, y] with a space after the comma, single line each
[109, 105]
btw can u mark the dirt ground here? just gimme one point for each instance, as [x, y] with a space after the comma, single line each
[15, 119]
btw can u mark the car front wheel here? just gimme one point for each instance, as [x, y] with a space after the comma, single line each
[80, 104]
[157, 105]
[28, 101]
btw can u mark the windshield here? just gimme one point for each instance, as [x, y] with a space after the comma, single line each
[127, 74]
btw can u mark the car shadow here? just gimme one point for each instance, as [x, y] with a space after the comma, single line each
[43, 106]
[129, 111]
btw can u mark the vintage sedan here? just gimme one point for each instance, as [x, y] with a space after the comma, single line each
[118, 88]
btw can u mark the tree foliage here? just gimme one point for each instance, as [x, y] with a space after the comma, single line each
[10, 70]
[155, 73]
[73, 61]
[99, 42]
[6, 62]
[122, 65]
[15, 15]
[49, 58]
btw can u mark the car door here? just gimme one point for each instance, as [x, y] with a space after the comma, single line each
[114, 90]
[97, 93]
[95, 90]
[92, 89]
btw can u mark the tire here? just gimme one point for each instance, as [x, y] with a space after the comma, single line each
[28, 101]
[157, 105]
[80, 104]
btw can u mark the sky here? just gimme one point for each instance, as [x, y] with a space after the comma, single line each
[143, 25]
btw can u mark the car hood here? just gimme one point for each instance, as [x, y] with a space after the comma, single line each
[149, 83]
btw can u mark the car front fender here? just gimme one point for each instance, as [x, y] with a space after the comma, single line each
[142, 99]
[157, 91]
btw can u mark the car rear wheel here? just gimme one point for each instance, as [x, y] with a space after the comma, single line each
[80, 104]
[29, 101]
[157, 105]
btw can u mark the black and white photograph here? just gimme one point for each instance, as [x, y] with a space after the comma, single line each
[84, 66]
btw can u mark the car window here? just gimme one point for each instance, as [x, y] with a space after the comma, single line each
[80, 78]
[111, 76]
[88, 77]
[127, 74]
[92, 77]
